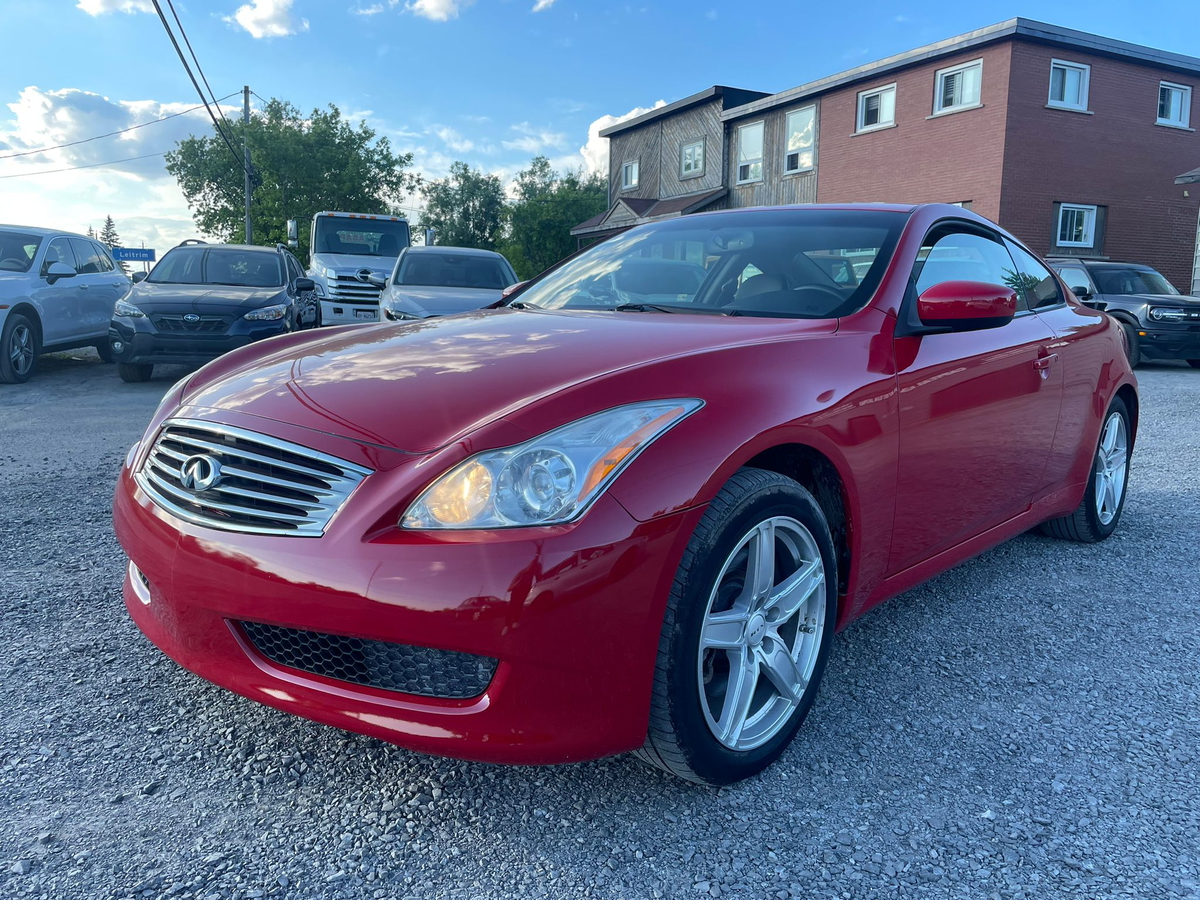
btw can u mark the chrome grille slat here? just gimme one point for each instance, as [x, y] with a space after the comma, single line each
[296, 493]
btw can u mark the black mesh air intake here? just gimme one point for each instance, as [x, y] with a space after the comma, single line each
[393, 667]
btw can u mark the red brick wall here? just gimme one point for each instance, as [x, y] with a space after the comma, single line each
[948, 158]
[1116, 157]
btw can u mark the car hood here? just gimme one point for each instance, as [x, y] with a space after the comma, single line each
[1153, 299]
[207, 298]
[422, 385]
[439, 301]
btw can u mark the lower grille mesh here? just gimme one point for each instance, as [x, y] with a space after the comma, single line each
[393, 667]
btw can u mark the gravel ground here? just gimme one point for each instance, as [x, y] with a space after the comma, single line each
[1023, 726]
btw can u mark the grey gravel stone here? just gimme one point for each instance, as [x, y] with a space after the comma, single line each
[1054, 685]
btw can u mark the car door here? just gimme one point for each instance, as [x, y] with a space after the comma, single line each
[58, 304]
[100, 287]
[1077, 277]
[977, 411]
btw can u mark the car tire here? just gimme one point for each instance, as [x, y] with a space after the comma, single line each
[1133, 345]
[19, 349]
[134, 372]
[1095, 520]
[686, 725]
[105, 351]
[1194, 363]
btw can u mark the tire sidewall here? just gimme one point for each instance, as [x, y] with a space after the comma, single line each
[1133, 345]
[1091, 510]
[706, 755]
[7, 373]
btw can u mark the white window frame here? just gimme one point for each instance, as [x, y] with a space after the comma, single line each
[940, 76]
[626, 167]
[862, 102]
[696, 171]
[760, 159]
[1089, 239]
[1085, 85]
[787, 133]
[1185, 105]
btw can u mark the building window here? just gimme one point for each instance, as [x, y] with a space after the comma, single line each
[691, 159]
[877, 109]
[629, 175]
[962, 204]
[801, 140]
[750, 153]
[957, 87]
[1174, 104]
[1076, 225]
[1069, 84]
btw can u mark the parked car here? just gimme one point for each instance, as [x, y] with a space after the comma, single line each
[441, 281]
[1159, 322]
[57, 292]
[202, 300]
[563, 529]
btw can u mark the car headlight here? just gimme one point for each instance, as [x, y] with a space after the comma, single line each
[267, 313]
[127, 310]
[1168, 315]
[546, 481]
[397, 315]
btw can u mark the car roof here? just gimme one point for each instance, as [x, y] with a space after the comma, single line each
[44, 232]
[1099, 263]
[453, 251]
[251, 247]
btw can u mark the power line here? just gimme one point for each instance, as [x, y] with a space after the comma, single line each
[111, 162]
[110, 134]
[196, 60]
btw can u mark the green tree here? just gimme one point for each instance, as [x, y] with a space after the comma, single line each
[109, 237]
[548, 205]
[466, 208]
[301, 165]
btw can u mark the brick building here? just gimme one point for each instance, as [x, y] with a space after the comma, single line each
[1078, 144]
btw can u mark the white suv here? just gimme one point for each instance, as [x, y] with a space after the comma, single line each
[57, 292]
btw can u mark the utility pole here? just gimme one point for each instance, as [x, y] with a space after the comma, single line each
[246, 155]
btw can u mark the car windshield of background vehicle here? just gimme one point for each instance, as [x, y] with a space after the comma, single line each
[453, 270]
[1116, 280]
[360, 237]
[778, 263]
[205, 265]
[17, 250]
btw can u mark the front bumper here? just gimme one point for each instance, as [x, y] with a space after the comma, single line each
[141, 344]
[338, 311]
[1180, 342]
[572, 614]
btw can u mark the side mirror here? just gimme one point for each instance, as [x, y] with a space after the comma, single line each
[512, 289]
[293, 233]
[378, 280]
[966, 306]
[304, 285]
[1081, 292]
[57, 270]
[430, 236]
[138, 277]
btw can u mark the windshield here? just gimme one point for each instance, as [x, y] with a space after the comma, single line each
[17, 250]
[361, 237]
[793, 263]
[454, 270]
[1114, 280]
[212, 265]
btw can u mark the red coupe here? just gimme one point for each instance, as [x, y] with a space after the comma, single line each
[628, 509]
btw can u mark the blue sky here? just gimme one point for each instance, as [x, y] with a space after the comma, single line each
[489, 81]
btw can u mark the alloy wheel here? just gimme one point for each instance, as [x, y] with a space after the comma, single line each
[20, 349]
[1112, 457]
[761, 634]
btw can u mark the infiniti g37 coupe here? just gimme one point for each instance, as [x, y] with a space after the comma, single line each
[577, 525]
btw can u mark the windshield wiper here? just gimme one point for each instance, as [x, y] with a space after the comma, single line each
[517, 304]
[645, 307]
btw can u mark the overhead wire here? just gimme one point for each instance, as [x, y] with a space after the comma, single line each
[196, 60]
[111, 162]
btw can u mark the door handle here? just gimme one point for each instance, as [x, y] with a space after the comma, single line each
[83, 287]
[1045, 362]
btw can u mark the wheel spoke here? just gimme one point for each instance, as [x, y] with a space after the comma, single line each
[790, 596]
[760, 566]
[1110, 495]
[780, 668]
[1110, 435]
[743, 679]
[724, 630]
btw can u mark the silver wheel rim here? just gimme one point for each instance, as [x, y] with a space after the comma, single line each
[761, 634]
[1112, 457]
[20, 349]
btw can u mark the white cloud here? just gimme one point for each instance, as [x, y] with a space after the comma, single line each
[267, 19]
[534, 140]
[437, 10]
[454, 140]
[542, 4]
[374, 10]
[595, 151]
[100, 7]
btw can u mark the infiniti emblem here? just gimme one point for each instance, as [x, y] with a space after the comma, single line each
[200, 473]
[191, 318]
[363, 275]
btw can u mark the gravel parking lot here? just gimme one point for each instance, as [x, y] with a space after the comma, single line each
[1024, 726]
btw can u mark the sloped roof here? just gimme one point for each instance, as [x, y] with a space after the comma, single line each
[630, 211]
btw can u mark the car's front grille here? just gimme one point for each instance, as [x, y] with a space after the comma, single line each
[181, 324]
[237, 480]
[350, 288]
[394, 667]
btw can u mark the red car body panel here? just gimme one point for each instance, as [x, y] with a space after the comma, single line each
[945, 445]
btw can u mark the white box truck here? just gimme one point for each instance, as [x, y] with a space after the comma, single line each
[345, 250]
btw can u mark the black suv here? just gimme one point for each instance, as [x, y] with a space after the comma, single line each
[202, 300]
[1159, 322]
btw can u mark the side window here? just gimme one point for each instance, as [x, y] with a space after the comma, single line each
[293, 268]
[58, 250]
[952, 255]
[1075, 276]
[88, 257]
[106, 263]
[1039, 285]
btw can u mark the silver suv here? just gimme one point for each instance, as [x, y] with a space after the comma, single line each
[57, 292]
